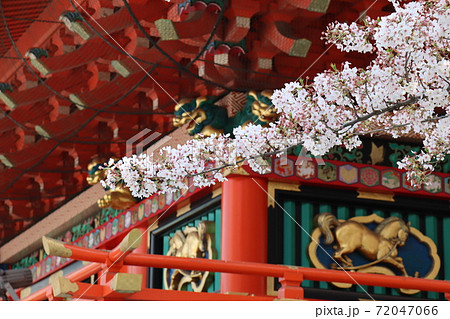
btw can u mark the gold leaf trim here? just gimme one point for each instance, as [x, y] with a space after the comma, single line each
[270, 283]
[183, 210]
[273, 186]
[388, 197]
[216, 192]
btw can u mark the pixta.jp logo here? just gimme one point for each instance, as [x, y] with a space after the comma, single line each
[141, 140]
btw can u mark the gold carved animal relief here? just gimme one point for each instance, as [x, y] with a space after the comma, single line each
[119, 198]
[372, 244]
[191, 242]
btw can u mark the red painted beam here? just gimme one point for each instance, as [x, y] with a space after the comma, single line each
[279, 271]
[260, 269]
[43, 29]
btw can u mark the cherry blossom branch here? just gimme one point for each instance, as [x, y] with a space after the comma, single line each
[398, 93]
[393, 107]
[401, 125]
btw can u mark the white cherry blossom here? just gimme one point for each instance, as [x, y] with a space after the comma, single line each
[403, 92]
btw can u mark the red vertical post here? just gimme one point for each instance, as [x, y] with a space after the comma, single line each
[290, 286]
[244, 231]
[141, 249]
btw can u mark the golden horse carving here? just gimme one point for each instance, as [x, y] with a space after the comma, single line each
[379, 245]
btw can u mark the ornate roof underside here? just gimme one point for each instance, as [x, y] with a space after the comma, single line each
[19, 14]
[77, 94]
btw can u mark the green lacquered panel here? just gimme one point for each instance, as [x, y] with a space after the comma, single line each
[446, 247]
[395, 214]
[324, 209]
[343, 213]
[431, 230]
[360, 212]
[379, 290]
[306, 210]
[289, 229]
[414, 220]
[165, 244]
[217, 220]
[306, 220]
[395, 292]
[378, 212]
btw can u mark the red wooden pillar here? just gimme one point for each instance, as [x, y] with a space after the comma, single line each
[244, 230]
[141, 249]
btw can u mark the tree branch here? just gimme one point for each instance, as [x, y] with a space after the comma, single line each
[393, 107]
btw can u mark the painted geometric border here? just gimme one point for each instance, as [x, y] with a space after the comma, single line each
[355, 175]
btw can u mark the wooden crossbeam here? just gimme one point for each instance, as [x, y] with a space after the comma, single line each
[107, 92]
[90, 51]
[172, 48]
[197, 24]
[40, 92]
